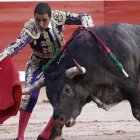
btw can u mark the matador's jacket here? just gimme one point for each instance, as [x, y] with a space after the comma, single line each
[42, 47]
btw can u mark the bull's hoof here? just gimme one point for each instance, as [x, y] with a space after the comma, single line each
[57, 138]
[16, 139]
[56, 133]
[40, 138]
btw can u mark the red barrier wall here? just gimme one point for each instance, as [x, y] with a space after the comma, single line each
[14, 14]
[122, 11]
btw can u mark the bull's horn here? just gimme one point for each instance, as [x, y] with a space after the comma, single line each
[33, 87]
[77, 70]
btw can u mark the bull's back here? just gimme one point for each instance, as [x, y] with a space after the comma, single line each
[130, 33]
[124, 41]
[127, 34]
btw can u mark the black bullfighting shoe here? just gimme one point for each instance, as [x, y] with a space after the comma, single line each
[16, 139]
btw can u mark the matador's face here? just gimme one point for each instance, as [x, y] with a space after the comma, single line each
[42, 21]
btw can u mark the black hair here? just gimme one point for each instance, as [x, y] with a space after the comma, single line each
[42, 8]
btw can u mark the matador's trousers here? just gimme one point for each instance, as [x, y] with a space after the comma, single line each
[32, 74]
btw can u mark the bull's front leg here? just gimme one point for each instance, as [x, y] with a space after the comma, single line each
[132, 93]
[56, 132]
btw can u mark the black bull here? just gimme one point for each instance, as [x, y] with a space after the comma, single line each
[102, 83]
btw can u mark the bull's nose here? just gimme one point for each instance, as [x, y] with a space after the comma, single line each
[70, 122]
[61, 120]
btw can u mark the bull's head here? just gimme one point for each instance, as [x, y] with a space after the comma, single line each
[68, 89]
[65, 92]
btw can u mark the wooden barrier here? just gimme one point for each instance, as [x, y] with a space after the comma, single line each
[13, 15]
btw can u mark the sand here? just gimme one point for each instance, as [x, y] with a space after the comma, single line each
[93, 124]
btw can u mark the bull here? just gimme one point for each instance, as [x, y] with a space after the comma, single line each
[85, 72]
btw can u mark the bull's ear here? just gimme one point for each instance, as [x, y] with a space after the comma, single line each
[55, 74]
[51, 75]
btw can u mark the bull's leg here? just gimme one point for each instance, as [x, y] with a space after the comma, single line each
[56, 132]
[52, 131]
[132, 93]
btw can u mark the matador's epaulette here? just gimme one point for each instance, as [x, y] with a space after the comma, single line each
[58, 17]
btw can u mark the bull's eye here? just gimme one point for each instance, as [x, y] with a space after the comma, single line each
[67, 90]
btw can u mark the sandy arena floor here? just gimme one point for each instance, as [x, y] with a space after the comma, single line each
[93, 124]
